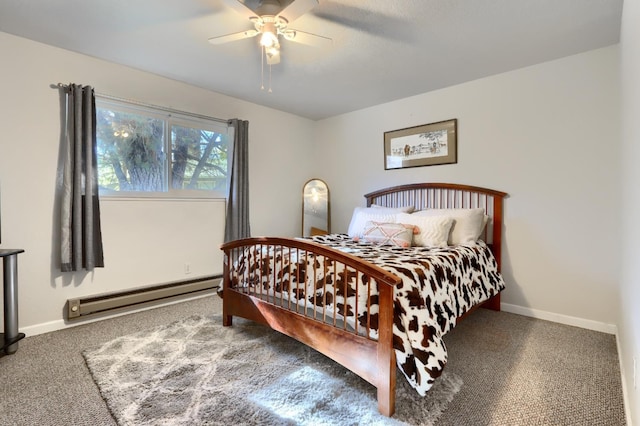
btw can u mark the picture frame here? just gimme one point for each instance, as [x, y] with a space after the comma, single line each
[426, 145]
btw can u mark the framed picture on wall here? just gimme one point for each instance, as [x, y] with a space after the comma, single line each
[427, 145]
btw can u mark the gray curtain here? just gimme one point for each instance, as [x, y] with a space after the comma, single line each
[81, 236]
[237, 223]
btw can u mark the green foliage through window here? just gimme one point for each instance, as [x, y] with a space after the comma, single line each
[133, 143]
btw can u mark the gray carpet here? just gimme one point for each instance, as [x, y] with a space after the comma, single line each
[197, 372]
[516, 371]
[522, 371]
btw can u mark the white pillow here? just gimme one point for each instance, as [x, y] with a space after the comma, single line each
[467, 226]
[406, 209]
[362, 215]
[432, 231]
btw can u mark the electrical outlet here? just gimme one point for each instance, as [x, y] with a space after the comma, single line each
[187, 268]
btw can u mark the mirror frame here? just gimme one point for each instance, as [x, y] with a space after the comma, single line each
[304, 188]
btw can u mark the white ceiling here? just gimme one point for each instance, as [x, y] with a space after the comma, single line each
[382, 50]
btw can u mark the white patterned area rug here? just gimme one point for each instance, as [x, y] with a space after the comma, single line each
[197, 372]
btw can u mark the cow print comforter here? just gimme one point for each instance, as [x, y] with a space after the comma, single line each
[438, 286]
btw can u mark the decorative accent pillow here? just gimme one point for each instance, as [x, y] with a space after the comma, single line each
[387, 234]
[430, 231]
[467, 226]
[362, 215]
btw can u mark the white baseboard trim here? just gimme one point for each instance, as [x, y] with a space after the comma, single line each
[625, 391]
[559, 318]
[47, 327]
[60, 324]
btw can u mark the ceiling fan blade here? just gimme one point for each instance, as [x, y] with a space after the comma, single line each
[233, 37]
[307, 38]
[376, 24]
[297, 8]
[241, 8]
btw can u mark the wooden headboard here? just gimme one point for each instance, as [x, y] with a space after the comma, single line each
[448, 196]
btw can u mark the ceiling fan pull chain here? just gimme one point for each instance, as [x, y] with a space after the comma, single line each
[270, 78]
[262, 54]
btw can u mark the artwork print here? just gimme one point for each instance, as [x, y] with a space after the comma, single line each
[426, 145]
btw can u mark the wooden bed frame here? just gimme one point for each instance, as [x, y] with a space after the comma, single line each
[372, 359]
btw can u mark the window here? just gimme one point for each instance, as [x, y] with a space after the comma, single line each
[133, 142]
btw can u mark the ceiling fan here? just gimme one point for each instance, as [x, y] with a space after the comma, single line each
[271, 21]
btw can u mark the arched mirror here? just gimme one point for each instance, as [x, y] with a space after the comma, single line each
[316, 212]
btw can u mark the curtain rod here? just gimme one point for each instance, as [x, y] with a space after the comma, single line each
[142, 104]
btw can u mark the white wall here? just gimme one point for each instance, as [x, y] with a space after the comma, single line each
[547, 135]
[145, 242]
[629, 319]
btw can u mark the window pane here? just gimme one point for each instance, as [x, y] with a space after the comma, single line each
[198, 159]
[147, 151]
[131, 153]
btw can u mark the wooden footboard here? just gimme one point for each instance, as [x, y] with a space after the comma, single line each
[276, 297]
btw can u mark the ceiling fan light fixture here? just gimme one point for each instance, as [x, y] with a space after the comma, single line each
[268, 39]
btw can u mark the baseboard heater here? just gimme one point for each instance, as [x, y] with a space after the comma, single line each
[112, 302]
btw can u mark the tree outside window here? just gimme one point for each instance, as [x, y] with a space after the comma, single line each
[132, 147]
